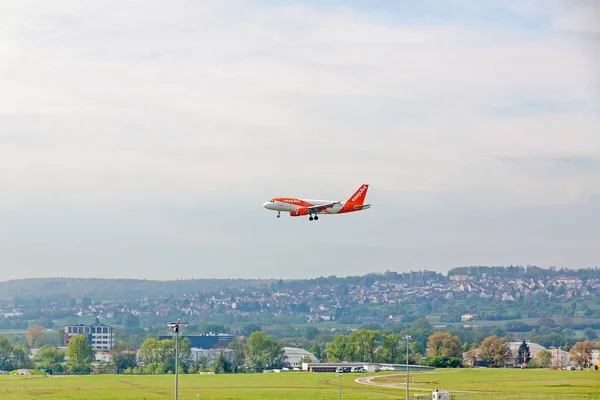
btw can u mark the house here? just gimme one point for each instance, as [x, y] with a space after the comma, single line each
[468, 317]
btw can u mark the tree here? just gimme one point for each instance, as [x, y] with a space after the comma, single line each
[420, 324]
[184, 352]
[310, 332]
[6, 350]
[203, 364]
[417, 349]
[390, 351]
[151, 352]
[589, 333]
[60, 337]
[130, 321]
[365, 342]
[340, 349]
[547, 322]
[50, 358]
[305, 359]
[20, 358]
[443, 362]
[213, 327]
[263, 351]
[443, 344]
[222, 365]
[523, 355]
[237, 358]
[581, 353]
[35, 335]
[85, 302]
[420, 330]
[316, 350]
[249, 329]
[80, 353]
[159, 355]
[122, 358]
[544, 358]
[495, 351]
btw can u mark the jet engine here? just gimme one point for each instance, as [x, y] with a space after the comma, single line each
[298, 212]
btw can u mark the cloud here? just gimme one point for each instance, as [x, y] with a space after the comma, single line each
[108, 105]
[582, 17]
[149, 102]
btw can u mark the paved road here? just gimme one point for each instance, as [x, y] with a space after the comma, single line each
[401, 384]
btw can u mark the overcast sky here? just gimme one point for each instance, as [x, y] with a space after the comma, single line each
[141, 138]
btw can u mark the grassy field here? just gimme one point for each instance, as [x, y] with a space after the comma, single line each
[464, 384]
[504, 383]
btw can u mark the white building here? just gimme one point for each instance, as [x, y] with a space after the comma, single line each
[534, 349]
[100, 337]
[560, 358]
[295, 354]
[468, 317]
[197, 355]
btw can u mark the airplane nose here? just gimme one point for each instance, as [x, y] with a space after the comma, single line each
[266, 204]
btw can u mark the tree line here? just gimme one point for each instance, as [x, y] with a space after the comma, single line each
[261, 350]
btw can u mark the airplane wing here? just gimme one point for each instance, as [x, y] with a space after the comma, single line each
[321, 207]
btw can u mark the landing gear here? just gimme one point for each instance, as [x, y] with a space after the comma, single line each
[310, 218]
[316, 217]
[278, 214]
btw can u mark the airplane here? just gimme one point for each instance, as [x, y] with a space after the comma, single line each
[297, 207]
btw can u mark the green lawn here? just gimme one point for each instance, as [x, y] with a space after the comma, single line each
[498, 383]
[506, 383]
[291, 386]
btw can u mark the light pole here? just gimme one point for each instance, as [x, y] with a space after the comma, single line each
[407, 338]
[175, 326]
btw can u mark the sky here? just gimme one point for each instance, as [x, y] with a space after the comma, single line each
[140, 138]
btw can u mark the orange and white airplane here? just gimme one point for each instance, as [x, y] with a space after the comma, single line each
[312, 208]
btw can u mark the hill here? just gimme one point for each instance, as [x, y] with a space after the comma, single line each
[58, 289]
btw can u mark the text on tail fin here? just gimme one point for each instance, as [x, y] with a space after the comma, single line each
[359, 196]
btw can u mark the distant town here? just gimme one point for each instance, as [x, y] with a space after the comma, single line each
[486, 293]
[458, 319]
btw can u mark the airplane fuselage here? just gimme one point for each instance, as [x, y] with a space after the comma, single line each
[287, 204]
[297, 206]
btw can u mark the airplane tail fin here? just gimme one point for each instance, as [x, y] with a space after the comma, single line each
[358, 198]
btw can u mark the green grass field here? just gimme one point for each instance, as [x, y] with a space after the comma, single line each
[505, 383]
[464, 383]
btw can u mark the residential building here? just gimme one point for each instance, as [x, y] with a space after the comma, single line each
[100, 337]
[468, 317]
[560, 358]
